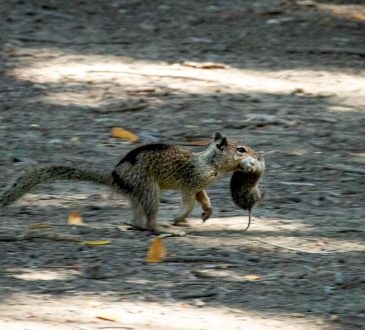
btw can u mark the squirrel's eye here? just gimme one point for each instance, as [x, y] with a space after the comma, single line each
[241, 150]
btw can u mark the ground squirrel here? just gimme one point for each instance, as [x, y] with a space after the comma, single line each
[144, 171]
[244, 183]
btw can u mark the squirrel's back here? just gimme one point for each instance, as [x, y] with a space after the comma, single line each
[170, 166]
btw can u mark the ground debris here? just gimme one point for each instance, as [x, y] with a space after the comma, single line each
[196, 294]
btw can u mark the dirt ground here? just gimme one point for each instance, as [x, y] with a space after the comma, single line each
[285, 77]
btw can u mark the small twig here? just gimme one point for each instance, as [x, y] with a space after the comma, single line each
[327, 50]
[125, 108]
[116, 327]
[154, 75]
[47, 225]
[51, 236]
[288, 248]
[8, 238]
[129, 293]
[349, 230]
[211, 259]
[135, 227]
[72, 43]
[193, 295]
[163, 231]
[52, 13]
[33, 234]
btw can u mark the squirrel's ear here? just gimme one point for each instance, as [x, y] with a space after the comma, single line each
[220, 140]
[221, 144]
[217, 137]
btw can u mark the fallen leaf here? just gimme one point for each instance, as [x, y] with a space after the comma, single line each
[156, 251]
[95, 243]
[121, 133]
[252, 277]
[75, 218]
[357, 16]
[107, 317]
[298, 91]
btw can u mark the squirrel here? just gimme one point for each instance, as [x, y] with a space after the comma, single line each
[144, 171]
[244, 183]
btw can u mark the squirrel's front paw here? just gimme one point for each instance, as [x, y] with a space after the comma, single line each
[207, 213]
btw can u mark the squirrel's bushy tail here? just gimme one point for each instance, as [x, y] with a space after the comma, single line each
[28, 181]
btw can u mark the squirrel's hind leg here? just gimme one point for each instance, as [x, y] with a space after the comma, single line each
[139, 219]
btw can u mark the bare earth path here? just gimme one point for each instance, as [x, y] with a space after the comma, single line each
[286, 77]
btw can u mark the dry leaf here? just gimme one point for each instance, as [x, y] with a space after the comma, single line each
[75, 218]
[252, 277]
[357, 16]
[95, 243]
[107, 317]
[156, 251]
[121, 133]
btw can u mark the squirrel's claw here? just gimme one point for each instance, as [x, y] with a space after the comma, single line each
[207, 214]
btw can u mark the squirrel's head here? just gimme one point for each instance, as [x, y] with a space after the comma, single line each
[229, 154]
